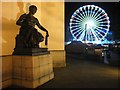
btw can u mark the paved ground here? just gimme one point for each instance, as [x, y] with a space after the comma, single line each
[84, 72]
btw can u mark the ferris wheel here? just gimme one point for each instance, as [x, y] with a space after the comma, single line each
[89, 24]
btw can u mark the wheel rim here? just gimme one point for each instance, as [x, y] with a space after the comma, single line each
[89, 24]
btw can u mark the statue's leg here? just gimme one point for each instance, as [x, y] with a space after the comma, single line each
[39, 38]
[22, 35]
[27, 38]
[35, 42]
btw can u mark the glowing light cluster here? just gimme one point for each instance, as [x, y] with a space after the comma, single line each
[89, 24]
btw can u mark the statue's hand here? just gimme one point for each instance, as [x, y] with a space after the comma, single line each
[47, 35]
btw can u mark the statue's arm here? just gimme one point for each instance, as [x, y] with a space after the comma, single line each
[20, 20]
[41, 27]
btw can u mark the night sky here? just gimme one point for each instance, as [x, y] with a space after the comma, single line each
[111, 8]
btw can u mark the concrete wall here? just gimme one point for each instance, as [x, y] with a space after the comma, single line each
[59, 58]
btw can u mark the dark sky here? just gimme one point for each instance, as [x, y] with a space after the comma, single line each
[111, 8]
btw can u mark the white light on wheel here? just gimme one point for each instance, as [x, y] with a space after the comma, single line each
[89, 24]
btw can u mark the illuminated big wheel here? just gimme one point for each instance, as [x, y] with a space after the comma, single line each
[89, 24]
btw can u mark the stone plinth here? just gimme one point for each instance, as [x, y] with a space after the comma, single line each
[32, 71]
[30, 51]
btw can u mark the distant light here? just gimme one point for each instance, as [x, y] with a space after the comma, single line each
[67, 43]
[110, 33]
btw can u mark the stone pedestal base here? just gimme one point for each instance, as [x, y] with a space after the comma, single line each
[32, 71]
[30, 51]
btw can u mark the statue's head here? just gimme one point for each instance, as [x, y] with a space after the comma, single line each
[32, 9]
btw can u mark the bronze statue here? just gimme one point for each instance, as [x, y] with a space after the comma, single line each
[28, 36]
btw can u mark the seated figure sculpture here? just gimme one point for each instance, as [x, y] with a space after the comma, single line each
[28, 36]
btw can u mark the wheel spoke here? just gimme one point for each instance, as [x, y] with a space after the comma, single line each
[89, 23]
